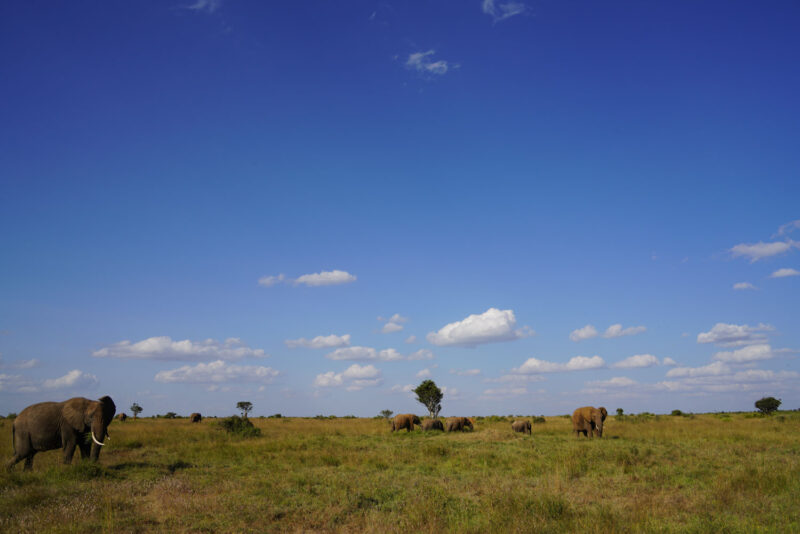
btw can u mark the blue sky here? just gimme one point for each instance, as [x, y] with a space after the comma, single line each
[540, 205]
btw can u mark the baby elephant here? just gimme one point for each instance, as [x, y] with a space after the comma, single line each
[432, 424]
[458, 424]
[521, 425]
[405, 420]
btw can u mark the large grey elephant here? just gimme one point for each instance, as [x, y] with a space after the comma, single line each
[521, 425]
[62, 425]
[458, 423]
[405, 420]
[588, 421]
[195, 417]
[432, 424]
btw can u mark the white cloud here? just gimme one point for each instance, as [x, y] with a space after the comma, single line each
[364, 353]
[503, 10]
[761, 250]
[319, 342]
[209, 6]
[587, 332]
[17, 384]
[74, 379]
[353, 378]
[738, 382]
[326, 278]
[164, 348]
[616, 382]
[637, 360]
[465, 372]
[712, 369]
[749, 353]
[739, 286]
[424, 373]
[491, 326]
[423, 63]
[782, 273]
[20, 364]
[505, 392]
[411, 339]
[514, 378]
[669, 361]
[408, 388]
[734, 335]
[578, 363]
[787, 228]
[616, 330]
[217, 372]
[394, 323]
[421, 354]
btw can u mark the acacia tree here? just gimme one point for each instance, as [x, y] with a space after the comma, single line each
[767, 405]
[136, 409]
[245, 407]
[430, 396]
[386, 414]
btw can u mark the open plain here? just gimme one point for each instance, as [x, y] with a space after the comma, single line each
[701, 473]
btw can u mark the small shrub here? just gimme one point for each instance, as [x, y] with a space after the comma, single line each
[676, 412]
[275, 416]
[539, 420]
[767, 405]
[11, 415]
[239, 426]
[170, 415]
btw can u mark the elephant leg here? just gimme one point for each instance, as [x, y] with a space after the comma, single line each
[69, 450]
[85, 448]
[14, 461]
[28, 462]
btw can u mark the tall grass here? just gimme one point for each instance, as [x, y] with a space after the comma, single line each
[662, 474]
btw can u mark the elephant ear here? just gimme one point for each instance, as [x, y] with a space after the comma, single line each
[109, 409]
[75, 411]
[604, 412]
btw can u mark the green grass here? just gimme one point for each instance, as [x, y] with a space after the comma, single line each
[660, 474]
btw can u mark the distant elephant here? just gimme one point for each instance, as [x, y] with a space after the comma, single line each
[52, 425]
[405, 420]
[458, 423]
[588, 421]
[432, 424]
[122, 417]
[195, 417]
[521, 425]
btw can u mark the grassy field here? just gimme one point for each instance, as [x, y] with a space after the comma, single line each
[707, 473]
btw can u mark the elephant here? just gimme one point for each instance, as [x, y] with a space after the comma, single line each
[521, 425]
[52, 425]
[405, 420]
[458, 423]
[122, 417]
[588, 421]
[432, 424]
[195, 417]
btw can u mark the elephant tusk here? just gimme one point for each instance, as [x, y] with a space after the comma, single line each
[95, 440]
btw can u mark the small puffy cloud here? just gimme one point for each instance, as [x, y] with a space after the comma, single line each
[733, 335]
[750, 353]
[353, 378]
[669, 361]
[424, 63]
[783, 273]
[20, 364]
[503, 10]
[164, 348]
[207, 6]
[505, 392]
[579, 334]
[761, 250]
[325, 278]
[17, 384]
[421, 354]
[408, 388]
[319, 342]
[217, 372]
[74, 379]
[358, 353]
[578, 363]
[616, 330]
[411, 339]
[741, 286]
[465, 372]
[637, 360]
[616, 382]
[514, 378]
[393, 324]
[712, 369]
[424, 373]
[491, 326]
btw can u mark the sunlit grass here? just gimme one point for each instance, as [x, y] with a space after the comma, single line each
[651, 474]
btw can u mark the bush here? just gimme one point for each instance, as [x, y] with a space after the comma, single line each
[170, 415]
[538, 420]
[676, 412]
[767, 405]
[239, 426]
[275, 416]
[11, 415]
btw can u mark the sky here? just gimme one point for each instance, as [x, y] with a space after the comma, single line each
[315, 206]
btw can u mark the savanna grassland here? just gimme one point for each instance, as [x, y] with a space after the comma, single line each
[705, 473]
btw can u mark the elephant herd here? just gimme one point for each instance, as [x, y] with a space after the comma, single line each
[65, 425]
